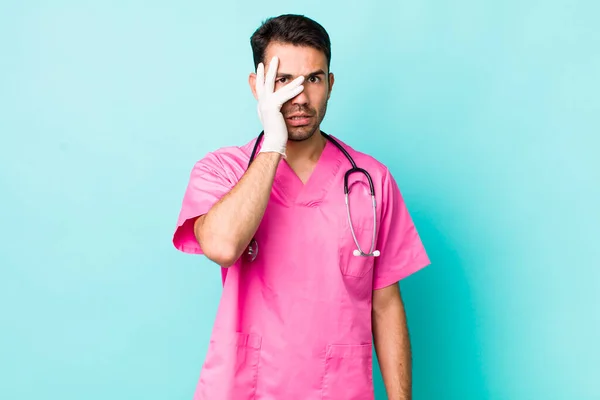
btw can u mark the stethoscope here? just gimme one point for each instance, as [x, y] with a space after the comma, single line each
[252, 251]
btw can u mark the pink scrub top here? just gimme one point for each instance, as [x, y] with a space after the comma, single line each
[296, 322]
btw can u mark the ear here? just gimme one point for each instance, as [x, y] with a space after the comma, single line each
[252, 83]
[331, 80]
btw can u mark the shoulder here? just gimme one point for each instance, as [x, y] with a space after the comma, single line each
[387, 191]
[229, 161]
[377, 169]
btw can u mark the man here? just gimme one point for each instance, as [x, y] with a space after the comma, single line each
[302, 304]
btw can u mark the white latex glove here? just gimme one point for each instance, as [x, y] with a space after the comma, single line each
[269, 106]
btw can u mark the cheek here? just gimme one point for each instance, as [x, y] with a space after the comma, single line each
[317, 95]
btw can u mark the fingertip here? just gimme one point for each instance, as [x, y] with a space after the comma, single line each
[273, 63]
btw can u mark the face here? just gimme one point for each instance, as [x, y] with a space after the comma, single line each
[303, 114]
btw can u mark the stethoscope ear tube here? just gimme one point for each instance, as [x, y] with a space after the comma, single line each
[362, 171]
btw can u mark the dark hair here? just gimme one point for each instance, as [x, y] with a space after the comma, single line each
[293, 29]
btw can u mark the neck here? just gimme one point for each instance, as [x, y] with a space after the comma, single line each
[305, 150]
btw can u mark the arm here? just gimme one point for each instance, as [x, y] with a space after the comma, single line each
[225, 231]
[392, 342]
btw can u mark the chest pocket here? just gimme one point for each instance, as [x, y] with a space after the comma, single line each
[361, 214]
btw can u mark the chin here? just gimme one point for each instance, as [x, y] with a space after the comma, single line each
[301, 133]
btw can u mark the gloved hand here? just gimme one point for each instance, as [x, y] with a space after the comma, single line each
[269, 106]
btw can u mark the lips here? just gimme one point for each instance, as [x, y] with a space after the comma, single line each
[299, 119]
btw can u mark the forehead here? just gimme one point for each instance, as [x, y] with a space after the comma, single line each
[295, 59]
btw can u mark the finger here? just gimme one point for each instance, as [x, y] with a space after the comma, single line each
[271, 74]
[295, 82]
[292, 85]
[259, 113]
[260, 79]
[286, 95]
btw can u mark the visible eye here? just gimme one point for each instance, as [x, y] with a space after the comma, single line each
[281, 80]
[314, 79]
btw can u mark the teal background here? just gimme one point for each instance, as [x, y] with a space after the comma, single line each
[487, 113]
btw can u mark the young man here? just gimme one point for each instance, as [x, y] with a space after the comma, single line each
[309, 285]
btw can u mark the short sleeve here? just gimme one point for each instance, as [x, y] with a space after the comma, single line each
[401, 251]
[208, 183]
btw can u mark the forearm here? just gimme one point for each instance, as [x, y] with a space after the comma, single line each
[225, 231]
[392, 345]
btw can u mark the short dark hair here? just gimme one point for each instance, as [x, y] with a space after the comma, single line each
[293, 29]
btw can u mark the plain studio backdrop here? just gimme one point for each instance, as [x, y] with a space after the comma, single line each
[487, 113]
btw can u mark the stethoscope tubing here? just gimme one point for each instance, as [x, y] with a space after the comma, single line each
[253, 248]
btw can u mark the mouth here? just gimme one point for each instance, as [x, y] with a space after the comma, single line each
[299, 119]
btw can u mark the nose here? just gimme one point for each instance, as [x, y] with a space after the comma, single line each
[301, 99]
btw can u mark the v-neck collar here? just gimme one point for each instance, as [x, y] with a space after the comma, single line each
[316, 188]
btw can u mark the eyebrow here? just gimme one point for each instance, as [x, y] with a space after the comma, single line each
[290, 76]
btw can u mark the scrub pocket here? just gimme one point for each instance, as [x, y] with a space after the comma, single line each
[231, 367]
[351, 265]
[348, 373]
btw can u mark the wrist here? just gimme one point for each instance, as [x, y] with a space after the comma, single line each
[270, 156]
[273, 147]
